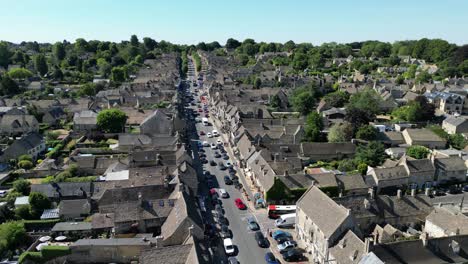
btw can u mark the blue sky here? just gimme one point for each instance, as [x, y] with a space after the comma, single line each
[189, 22]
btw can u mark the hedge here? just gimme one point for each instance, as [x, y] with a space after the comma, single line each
[30, 224]
[50, 252]
[47, 253]
[35, 257]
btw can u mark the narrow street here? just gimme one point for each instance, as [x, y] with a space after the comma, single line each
[247, 250]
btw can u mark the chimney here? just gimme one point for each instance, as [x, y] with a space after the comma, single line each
[286, 173]
[399, 194]
[367, 204]
[413, 192]
[367, 243]
[371, 193]
[427, 191]
[424, 238]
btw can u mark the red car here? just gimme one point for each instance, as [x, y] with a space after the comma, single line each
[200, 110]
[239, 204]
[202, 133]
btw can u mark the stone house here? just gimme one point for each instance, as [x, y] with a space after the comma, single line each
[85, 121]
[32, 144]
[450, 169]
[423, 137]
[453, 125]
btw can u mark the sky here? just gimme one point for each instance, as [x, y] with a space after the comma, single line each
[190, 22]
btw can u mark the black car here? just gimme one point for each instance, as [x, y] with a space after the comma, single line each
[221, 166]
[261, 240]
[227, 180]
[212, 163]
[217, 155]
[283, 239]
[233, 177]
[292, 255]
[210, 183]
[224, 232]
[454, 190]
[225, 157]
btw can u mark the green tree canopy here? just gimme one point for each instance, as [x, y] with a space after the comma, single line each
[40, 64]
[19, 73]
[59, 51]
[22, 186]
[9, 87]
[314, 127]
[367, 132]
[336, 99]
[417, 152]
[12, 235]
[111, 120]
[367, 100]
[118, 74]
[372, 154]
[232, 43]
[303, 99]
[5, 54]
[340, 133]
[38, 202]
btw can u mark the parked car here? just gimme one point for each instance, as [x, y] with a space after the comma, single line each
[219, 142]
[228, 246]
[293, 255]
[233, 260]
[283, 239]
[213, 146]
[270, 258]
[286, 246]
[202, 133]
[206, 144]
[225, 157]
[221, 166]
[217, 155]
[221, 220]
[212, 163]
[223, 193]
[454, 190]
[209, 135]
[228, 164]
[239, 204]
[215, 133]
[261, 240]
[465, 188]
[252, 224]
[280, 233]
[224, 232]
[227, 180]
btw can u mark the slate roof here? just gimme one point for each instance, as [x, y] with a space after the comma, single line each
[113, 242]
[420, 165]
[423, 134]
[351, 182]
[451, 163]
[314, 148]
[85, 117]
[392, 173]
[67, 189]
[166, 255]
[72, 226]
[349, 249]
[74, 207]
[455, 121]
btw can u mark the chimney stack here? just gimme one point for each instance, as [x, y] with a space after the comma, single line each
[413, 192]
[427, 191]
[371, 193]
[399, 194]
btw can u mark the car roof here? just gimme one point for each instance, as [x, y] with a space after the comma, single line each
[227, 242]
[222, 190]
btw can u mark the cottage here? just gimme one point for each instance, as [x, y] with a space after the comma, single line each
[423, 137]
[452, 169]
[85, 121]
[32, 144]
[453, 125]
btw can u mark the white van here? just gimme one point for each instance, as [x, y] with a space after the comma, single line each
[215, 133]
[205, 121]
[286, 220]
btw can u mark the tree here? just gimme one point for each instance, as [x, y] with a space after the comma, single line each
[275, 101]
[232, 43]
[418, 152]
[358, 117]
[25, 164]
[289, 46]
[57, 74]
[134, 41]
[314, 127]
[367, 132]
[89, 89]
[40, 64]
[25, 157]
[149, 43]
[367, 100]
[23, 212]
[340, 133]
[19, 73]
[20, 58]
[21, 186]
[5, 54]
[12, 235]
[111, 120]
[59, 51]
[336, 99]
[9, 87]
[118, 74]
[372, 154]
[104, 67]
[299, 61]
[423, 77]
[303, 99]
[457, 141]
[38, 202]
[81, 45]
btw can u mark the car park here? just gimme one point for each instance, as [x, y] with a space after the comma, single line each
[227, 180]
[261, 240]
[239, 204]
[223, 193]
[270, 258]
[252, 224]
[228, 246]
[286, 246]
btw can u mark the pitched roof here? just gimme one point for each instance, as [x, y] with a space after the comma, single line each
[166, 255]
[451, 163]
[74, 207]
[71, 226]
[331, 216]
[349, 249]
[315, 148]
[67, 189]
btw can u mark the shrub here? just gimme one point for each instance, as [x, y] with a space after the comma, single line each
[21, 186]
[25, 157]
[50, 252]
[418, 152]
[23, 212]
[25, 164]
[35, 257]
